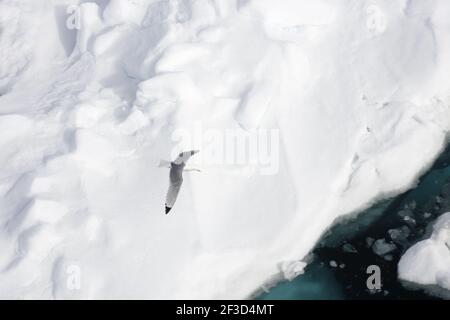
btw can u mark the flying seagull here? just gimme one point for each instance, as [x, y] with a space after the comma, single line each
[176, 176]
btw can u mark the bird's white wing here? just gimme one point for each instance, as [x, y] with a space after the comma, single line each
[172, 194]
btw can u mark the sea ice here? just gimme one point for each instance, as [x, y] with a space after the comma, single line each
[381, 247]
[427, 263]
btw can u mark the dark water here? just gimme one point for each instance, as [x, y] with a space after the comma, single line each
[346, 279]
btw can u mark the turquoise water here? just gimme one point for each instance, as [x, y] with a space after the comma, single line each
[348, 280]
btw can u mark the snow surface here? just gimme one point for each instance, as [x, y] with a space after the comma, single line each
[427, 263]
[359, 91]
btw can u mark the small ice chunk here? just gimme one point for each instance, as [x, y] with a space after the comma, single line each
[333, 264]
[292, 269]
[399, 235]
[388, 257]
[405, 213]
[382, 247]
[369, 242]
[409, 221]
[349, 248]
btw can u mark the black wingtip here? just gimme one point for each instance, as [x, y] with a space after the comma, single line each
[168, 209]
